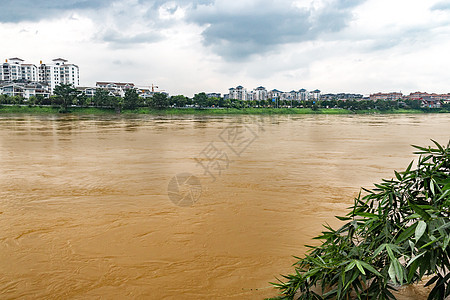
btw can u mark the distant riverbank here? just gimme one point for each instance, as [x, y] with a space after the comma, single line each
[207, 111]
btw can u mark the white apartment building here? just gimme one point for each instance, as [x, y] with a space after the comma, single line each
[14, 69]
[303, 95]
[315, 95]
[260, 93]
[59, 71]
[272, 94]
[238, 93]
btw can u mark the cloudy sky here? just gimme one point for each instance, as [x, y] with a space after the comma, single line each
[190, 46]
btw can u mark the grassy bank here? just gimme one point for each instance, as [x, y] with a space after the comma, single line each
[16, 109]
[6, 109]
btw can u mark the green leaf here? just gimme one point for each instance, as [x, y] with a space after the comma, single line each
[414, 258]
[391, 272]
[438, 145]
[361, 269]
[420, 211]
[432, 187]
[378, 250]
[370, 268]
[398, 271]
[408, 232]
[444, 226]
[350, 266]
[343, 218]
[445, 243]
[390, 253]
[366, 215]
[409, 167]
[446, 187]
[420, 229]
[434, 240]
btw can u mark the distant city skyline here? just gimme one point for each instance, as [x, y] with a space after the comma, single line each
[185, 47]
[16, 73]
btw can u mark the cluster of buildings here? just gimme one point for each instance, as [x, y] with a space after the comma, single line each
[20, 78]
[261, 93]
[432, 100]
[118, 89]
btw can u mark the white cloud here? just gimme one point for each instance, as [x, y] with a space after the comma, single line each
[192, 46]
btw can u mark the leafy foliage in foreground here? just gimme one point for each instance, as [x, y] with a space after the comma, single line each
[396, 234]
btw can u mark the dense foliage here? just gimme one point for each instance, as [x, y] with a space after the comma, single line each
[397, 234]
[66, 96]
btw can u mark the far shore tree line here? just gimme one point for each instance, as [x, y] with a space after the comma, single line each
[66, 96]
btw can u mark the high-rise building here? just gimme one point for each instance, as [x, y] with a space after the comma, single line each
[59, 72]
[238, 93]
[260, 93]
[14, 69]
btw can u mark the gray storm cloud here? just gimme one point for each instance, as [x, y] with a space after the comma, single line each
[258, 27]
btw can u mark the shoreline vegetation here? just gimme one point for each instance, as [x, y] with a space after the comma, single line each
[25, 109]
[396, 234]
[67, 99]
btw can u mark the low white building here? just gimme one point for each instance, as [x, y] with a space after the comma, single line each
[115, 88]
[25, 90]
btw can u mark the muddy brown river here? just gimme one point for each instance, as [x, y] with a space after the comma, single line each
[86, 212]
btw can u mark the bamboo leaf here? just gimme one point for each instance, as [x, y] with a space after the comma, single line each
[370, 268]
[398, 176]
[350, 266]
[445, 243]
[420, 211]
[414, 258]
[420, 229]
[438, 145]
[407, 233]
[361, 269]
[391, 272]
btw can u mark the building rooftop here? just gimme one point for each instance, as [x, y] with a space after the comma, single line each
[115, 83]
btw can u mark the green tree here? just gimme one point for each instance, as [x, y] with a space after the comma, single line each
[100, 97]
[82, 100]
[66, 95]
[414, 104]
[32, 101]
[201, 99]
[213, 101]
[39, 100]
[17, 100]
[159, 101]
[131, 99]
[395, 234]
[117, 103]
[179, 100]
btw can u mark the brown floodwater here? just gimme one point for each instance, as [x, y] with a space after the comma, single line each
[85, 210]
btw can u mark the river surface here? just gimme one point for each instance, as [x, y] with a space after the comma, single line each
[86, 211]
